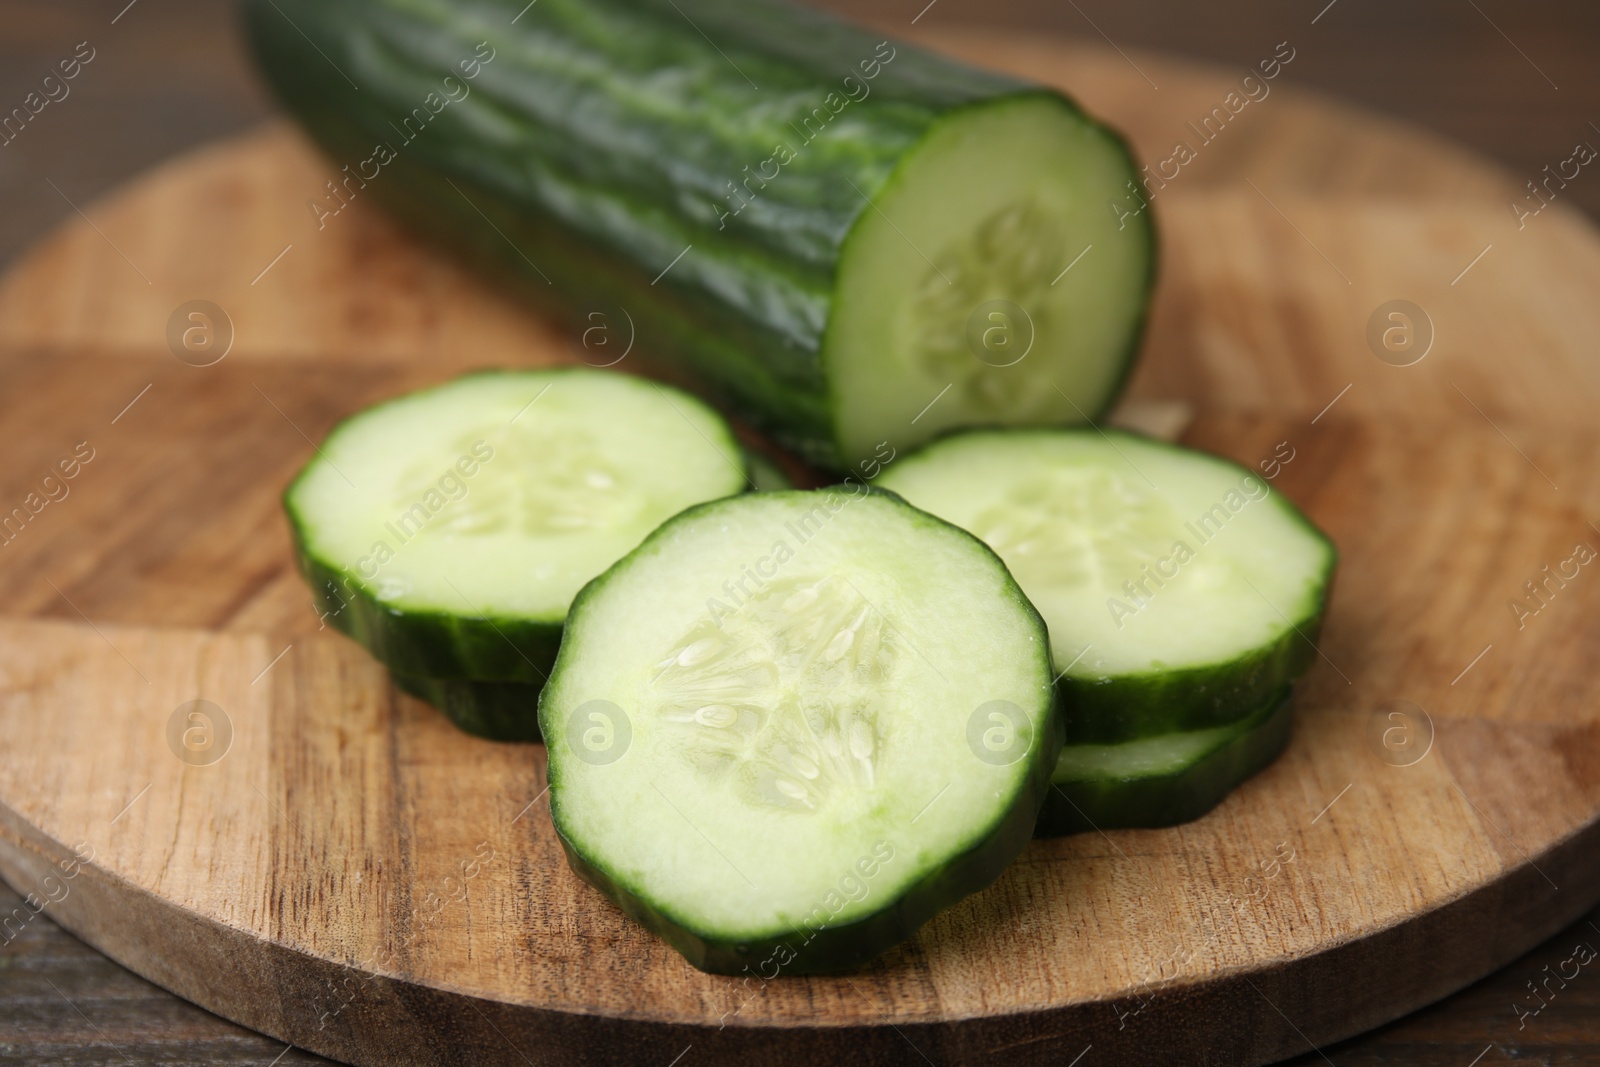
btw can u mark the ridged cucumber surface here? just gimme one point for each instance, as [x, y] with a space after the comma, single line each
[790, 727]
[827, 230]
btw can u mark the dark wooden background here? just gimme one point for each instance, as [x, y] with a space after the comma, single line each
[1518, 81]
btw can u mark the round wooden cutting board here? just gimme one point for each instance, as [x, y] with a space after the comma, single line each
[320, 858]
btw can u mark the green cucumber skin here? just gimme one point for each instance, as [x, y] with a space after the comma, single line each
[426, 643]
[1168, 800]
[829, 950]
[603, 166]
[495, 711]
[1104, 712]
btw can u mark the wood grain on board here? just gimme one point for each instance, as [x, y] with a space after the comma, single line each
[360, 879]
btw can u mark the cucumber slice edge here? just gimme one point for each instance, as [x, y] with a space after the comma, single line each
[1078, 410]
[1222, 759]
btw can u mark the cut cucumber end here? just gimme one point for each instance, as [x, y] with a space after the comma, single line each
[799, 724]
[990, 274]
[1180, 590]
[1161, 781]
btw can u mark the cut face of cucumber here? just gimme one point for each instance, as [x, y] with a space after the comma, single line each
[959, 278]
[792, 726]
[448, 530]
[1181, 591]
[1161, 781]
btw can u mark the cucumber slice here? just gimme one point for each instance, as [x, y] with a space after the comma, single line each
[1181, 592]
[790, 727]
[448, 530]
[498, 711]
[1161, 781]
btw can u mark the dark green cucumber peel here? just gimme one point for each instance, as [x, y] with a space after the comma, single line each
[1106, 711]
[1080, 804]
[496, 711]
[417, 643]
[603, 139]
[828, 949]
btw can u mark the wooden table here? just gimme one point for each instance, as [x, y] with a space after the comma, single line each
[168, 74]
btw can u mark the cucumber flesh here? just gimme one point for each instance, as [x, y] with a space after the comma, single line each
[772, 734]
[1180, 590]
[448, 530]
[1161, 781]
[959, 280]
